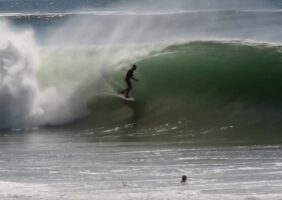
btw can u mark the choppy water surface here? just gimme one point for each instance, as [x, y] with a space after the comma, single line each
[38, 166]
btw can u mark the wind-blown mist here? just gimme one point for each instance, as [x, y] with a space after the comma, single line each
[197, 5]
[145, 26]
[45, 86]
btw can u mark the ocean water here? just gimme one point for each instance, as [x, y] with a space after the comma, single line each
[68, 166]
[208, 103]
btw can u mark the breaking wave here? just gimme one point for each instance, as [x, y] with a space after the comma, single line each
[189, 83]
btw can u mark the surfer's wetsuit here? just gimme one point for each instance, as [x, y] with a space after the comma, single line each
[129, 75]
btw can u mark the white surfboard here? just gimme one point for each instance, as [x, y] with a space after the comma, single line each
[126, 98]
[121, 96]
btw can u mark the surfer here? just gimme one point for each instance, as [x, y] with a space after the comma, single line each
[129, 75]
[183, 179]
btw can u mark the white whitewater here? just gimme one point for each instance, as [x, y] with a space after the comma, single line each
[24, 105]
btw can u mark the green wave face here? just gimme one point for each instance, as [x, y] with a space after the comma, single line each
[218, 70]
[201, 89]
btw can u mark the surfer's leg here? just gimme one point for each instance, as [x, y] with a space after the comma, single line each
[128, 89]
[124, 91]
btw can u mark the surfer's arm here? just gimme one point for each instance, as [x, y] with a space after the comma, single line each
[134, 79]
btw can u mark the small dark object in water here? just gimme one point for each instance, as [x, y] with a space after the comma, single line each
[184, 178]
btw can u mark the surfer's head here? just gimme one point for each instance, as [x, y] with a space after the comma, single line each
[183, 179]
[134, 67]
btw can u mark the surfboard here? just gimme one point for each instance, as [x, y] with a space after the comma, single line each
[126, 98]
[120, 96]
